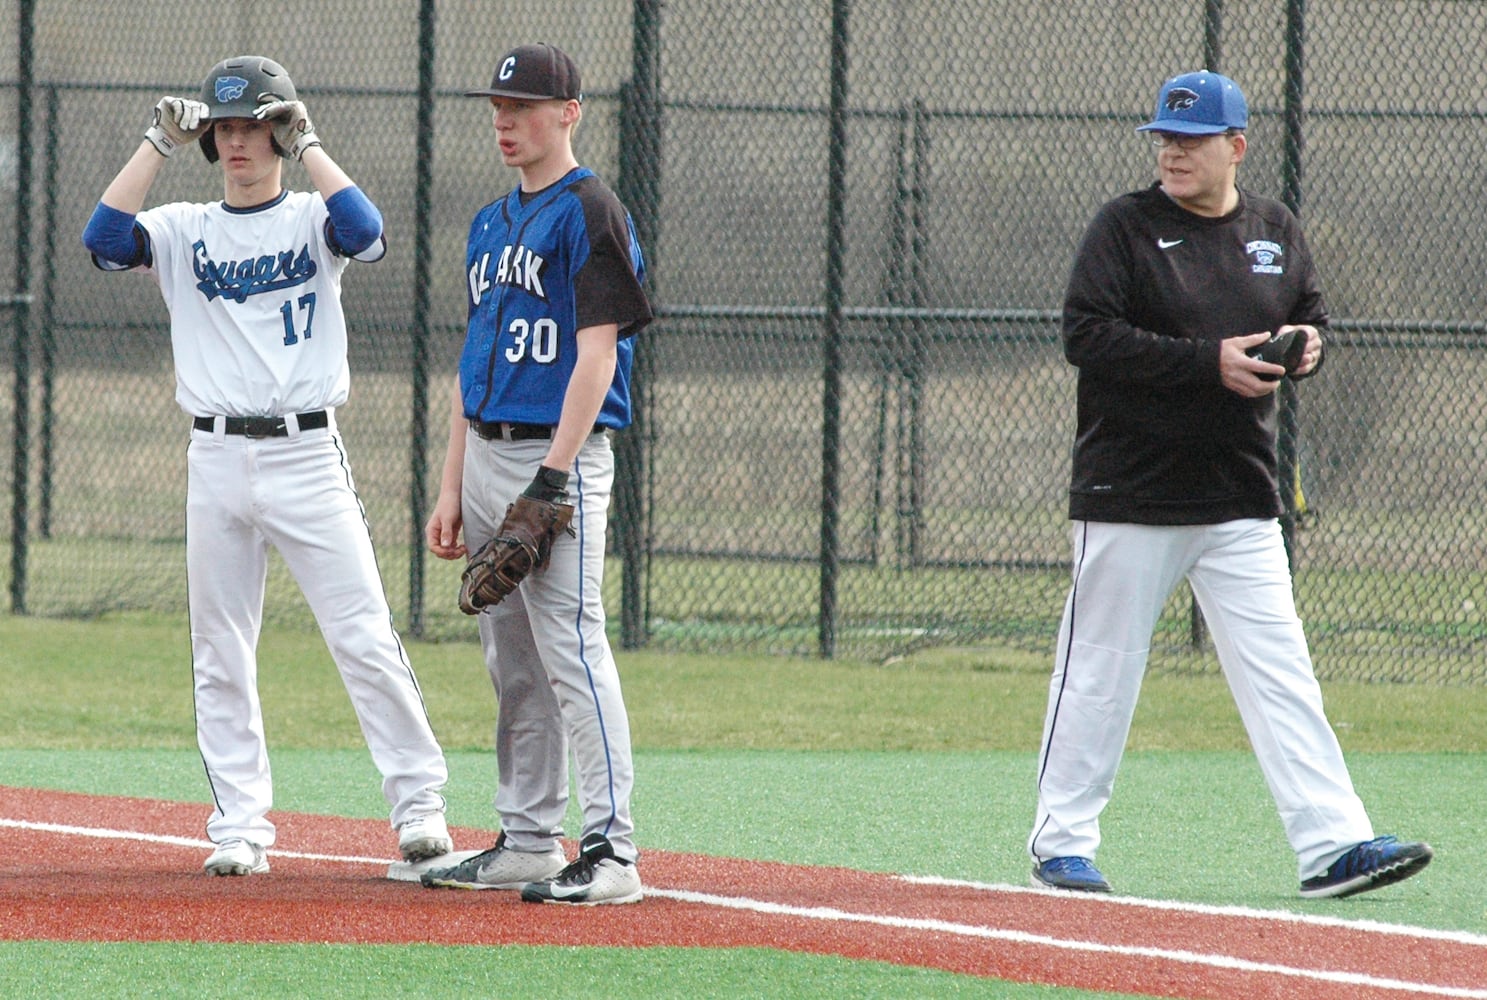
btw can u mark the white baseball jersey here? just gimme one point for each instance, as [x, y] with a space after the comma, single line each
[228, 276]
[257, 330]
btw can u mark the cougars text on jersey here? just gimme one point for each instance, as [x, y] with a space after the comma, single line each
[238, 279]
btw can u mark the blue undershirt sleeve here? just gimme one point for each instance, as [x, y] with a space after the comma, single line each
[354, 221]
[113, 236]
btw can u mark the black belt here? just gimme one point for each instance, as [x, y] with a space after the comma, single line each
[263, 427]
[501, 431]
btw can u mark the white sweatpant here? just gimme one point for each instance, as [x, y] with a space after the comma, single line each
[1123, 575]
[557, 685]
[296, 494]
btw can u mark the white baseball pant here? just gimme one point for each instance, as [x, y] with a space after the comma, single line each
[294, 493]
[1123, 575]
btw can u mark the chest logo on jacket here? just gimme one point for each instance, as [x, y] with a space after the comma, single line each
[238, 279]
[1266, 255]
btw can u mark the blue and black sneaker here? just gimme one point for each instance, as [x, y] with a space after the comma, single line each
[1370, 865]
[1078, 874]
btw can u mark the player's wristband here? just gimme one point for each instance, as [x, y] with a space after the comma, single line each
[161, 140]
[304, 141]
[550, 485]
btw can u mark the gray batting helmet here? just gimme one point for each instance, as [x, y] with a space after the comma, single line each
[236, 87]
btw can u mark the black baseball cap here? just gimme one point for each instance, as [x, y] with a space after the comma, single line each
[538, 72]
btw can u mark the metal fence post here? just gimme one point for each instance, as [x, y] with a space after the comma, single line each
[887, 341]
[21, 303]
[46, 327]
[831, 360]
[1213, 35]
[916, 358]
[639, 187]
[1287, 467]
[422, 262]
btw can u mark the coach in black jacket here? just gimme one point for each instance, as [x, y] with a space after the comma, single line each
[1174, 475]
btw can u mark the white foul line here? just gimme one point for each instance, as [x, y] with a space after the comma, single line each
[900, 923]
[163, 838]
[1280, 916]
[1021, 937]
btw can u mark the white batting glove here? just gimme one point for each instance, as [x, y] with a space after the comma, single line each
[178, 122]
[293, 130]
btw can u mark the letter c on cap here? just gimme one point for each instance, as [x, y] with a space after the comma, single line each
[507, 68]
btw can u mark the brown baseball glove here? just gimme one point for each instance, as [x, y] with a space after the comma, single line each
[521, 544]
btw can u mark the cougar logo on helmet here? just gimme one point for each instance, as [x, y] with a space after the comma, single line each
[236, 87]
[230, 88]
[1180, 99]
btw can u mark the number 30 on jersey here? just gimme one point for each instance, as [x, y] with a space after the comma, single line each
[535, 339]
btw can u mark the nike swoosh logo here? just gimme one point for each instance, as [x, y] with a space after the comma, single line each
[1167, 244]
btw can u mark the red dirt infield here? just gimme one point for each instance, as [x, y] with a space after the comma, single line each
[328, 884]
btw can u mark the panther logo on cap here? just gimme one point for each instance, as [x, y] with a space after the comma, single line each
[230, 88]
[1180, 99]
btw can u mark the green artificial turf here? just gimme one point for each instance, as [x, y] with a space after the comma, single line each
[921, 766]
[292, 972]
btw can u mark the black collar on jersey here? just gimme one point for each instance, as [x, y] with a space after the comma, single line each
[256, 208]
[527, 197]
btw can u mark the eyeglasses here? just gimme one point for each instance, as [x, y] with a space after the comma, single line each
[1161, 140]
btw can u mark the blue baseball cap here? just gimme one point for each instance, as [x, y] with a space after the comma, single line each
[1200, 103]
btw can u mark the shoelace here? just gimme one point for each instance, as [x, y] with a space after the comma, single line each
[1367, 856]
[1071, 866]
[484, 858]
[581, 870]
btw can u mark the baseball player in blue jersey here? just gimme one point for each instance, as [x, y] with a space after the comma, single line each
[554, 278]
[258, 337]
[1174, 475]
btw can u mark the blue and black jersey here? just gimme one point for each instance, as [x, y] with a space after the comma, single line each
[540, 266]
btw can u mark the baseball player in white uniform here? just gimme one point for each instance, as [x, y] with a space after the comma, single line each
[1174, 475]
[253, 286]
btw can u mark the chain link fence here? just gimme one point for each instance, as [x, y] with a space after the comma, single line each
[855, 416]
